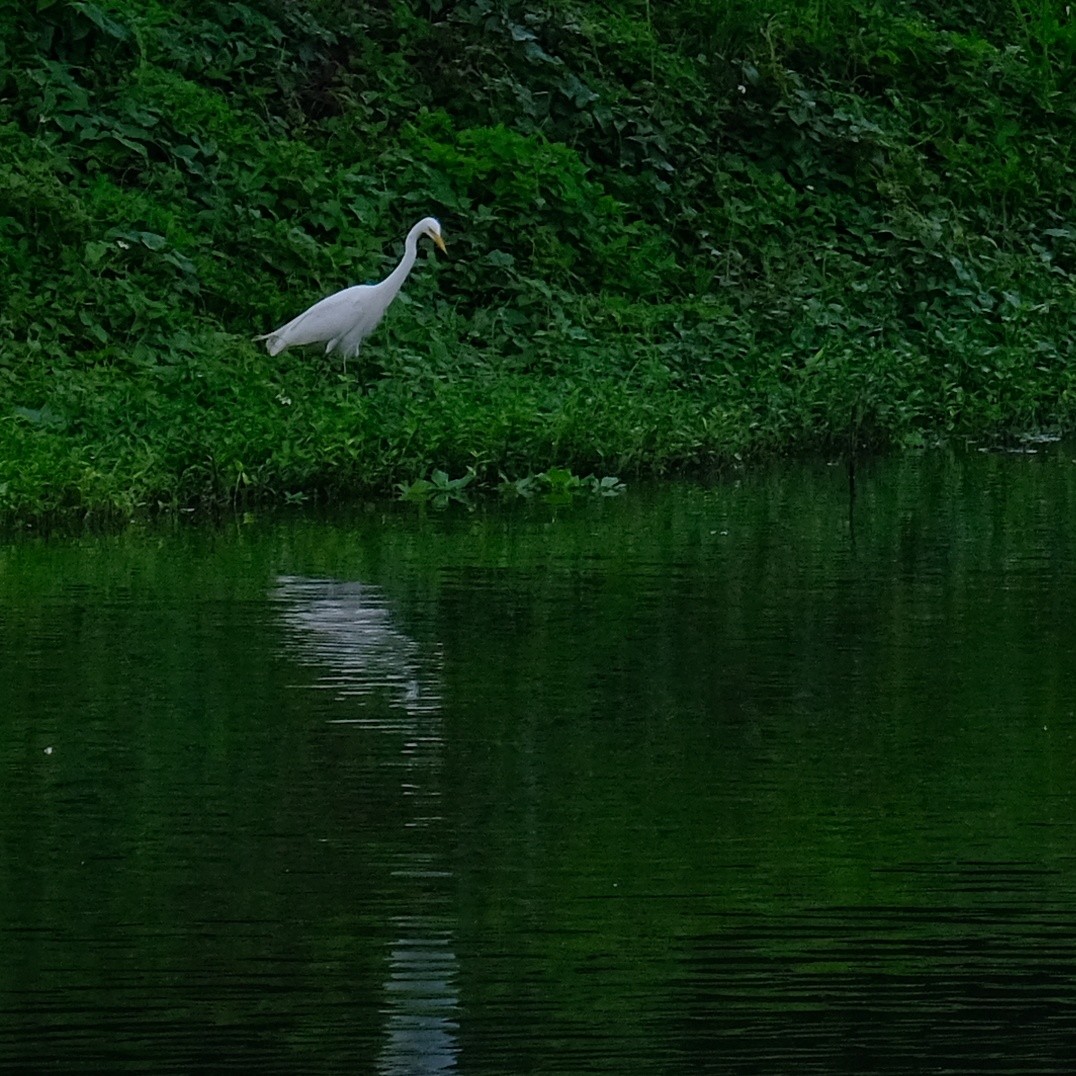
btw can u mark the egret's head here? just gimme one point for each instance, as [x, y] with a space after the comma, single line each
[432, 227]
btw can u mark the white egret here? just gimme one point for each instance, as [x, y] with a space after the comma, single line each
[343, 320]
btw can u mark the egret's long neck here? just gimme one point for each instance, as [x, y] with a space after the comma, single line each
[394, 281]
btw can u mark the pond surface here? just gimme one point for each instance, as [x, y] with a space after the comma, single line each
[701, 778]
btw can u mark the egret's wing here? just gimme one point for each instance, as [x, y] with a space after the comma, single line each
[349, 342]
[365, 316]
[327, 320]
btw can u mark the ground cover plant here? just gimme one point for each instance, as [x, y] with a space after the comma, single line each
[678, 234]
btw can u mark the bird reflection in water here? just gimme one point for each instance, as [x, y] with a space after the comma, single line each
[348, 631]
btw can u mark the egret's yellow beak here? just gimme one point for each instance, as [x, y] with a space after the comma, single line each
[438, 242]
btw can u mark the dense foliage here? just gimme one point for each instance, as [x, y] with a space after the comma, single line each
[678, 232]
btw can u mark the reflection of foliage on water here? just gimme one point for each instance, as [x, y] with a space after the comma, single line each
[704, 763]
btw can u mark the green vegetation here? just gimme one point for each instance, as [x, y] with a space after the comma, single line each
[678, 233]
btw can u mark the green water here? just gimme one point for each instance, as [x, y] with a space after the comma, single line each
[703, 778]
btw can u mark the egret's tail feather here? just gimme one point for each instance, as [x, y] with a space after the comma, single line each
[274, 344]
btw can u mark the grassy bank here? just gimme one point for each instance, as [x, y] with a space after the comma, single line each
[675, 237]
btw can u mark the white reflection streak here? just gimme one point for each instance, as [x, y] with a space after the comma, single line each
[346, 628]
[421, 989]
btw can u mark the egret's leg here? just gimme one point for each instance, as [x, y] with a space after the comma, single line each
[354, 355]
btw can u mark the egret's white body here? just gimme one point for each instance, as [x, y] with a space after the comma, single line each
[342, 321]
